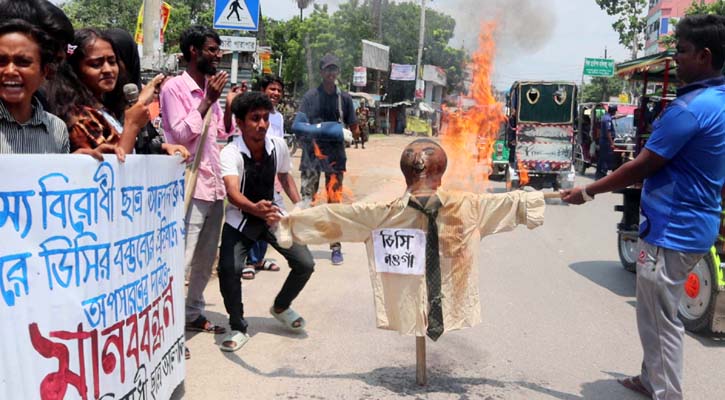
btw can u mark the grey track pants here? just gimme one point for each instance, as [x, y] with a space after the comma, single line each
[661, 274]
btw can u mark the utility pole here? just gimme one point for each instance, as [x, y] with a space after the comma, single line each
[421, 42]
[151, 32]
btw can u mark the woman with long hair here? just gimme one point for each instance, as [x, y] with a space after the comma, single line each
[149, 141]
[87, 95]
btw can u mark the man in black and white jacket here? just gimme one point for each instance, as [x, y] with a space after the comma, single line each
[249, 165]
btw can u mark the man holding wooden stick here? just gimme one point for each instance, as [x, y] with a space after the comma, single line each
[193, 117]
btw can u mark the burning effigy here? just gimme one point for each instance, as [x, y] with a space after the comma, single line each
[397, 235]
[422, 247]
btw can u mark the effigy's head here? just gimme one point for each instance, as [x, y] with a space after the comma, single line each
[423, 164]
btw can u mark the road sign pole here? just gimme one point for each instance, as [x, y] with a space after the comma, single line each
[151, 29]
[235, 63]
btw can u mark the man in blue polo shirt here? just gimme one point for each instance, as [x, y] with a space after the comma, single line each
[683, 167]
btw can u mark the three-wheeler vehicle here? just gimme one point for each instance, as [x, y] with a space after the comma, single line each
[542, 115]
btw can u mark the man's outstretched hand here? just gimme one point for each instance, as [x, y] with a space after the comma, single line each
[572, 196]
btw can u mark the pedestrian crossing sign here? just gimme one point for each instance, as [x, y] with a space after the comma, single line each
[241, 15]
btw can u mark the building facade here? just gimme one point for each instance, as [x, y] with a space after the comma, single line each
[659, 21]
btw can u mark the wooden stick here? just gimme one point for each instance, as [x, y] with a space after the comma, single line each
[420, 375]
[552, 195]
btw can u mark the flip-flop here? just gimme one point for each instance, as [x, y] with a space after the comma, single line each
[204, 325]
[248, 272]
[237, 339]
[267, 266]
[288, 317]
[634, 384]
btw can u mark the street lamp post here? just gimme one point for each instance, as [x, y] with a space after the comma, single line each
[421, 42]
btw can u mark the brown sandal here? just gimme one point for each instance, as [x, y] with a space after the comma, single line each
[204, 325]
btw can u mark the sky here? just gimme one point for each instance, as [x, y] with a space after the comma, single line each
[537, 39]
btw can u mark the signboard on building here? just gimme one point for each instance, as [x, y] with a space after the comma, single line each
[375, 55]
[435, 74]
[360, 77]
[241, 15]
[402, 72]
[598, 67]
[239, 43]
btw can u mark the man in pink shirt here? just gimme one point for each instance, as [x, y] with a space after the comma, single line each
[185, 100]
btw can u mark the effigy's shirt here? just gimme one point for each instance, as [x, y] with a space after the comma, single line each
[401, 301]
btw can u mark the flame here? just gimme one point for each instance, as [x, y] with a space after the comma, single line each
[470, 135]
[336, 193]
[334, 190]
[523, 174]
[318, 152]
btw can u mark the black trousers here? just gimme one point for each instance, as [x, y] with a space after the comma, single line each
[232, 257]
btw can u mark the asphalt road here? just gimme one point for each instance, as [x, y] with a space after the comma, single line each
[558, 311]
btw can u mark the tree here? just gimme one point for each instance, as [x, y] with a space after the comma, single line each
[103, 13]
[717, 8]
[631, 21]
[602, 88]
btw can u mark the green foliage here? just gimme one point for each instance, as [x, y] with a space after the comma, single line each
[602, 88]
[103, 13]
[340, 33]
[717, 8]
[631, 21]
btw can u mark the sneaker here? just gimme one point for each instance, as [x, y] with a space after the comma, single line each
[336, 257]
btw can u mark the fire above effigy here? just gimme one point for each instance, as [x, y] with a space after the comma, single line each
[470, 134]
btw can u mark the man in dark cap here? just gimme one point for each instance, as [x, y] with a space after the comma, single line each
[324, 104]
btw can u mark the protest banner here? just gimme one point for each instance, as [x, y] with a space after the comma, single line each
[91, 284]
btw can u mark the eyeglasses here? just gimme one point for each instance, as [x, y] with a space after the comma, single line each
[213, 50]
[333, 69]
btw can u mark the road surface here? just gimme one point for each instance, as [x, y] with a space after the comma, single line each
[558, 319]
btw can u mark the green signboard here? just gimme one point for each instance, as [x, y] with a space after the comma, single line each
[598, 67]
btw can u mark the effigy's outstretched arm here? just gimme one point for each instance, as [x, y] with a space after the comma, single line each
[331, 223]
[502, 212]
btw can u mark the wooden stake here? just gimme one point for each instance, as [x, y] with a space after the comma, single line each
[420, 375]
[552, 195]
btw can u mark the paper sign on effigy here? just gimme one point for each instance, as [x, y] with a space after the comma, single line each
[91, 291]
[399, 251]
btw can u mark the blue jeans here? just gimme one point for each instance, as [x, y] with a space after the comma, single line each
[257, 252]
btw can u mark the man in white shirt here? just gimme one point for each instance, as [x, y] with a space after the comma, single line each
[249, 166]
[273, 87]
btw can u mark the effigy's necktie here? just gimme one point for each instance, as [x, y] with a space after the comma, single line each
[432, 267]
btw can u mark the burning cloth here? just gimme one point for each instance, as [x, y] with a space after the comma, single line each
[393, 233]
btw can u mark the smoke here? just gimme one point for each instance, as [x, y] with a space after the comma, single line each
[522, 25]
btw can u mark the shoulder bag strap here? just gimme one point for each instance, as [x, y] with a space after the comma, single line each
[339, 106]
